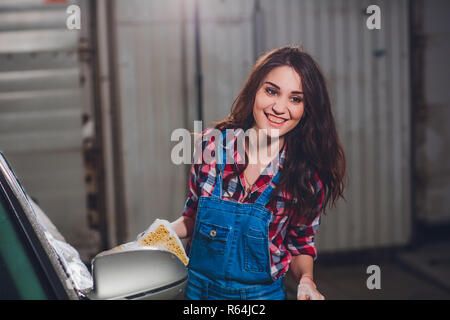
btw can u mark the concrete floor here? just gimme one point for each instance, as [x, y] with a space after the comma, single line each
[345, 279]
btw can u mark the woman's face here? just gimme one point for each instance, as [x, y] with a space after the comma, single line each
[279, 102]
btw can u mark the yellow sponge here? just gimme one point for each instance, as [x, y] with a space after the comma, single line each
[159, 235]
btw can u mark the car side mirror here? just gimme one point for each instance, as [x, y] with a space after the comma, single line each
[147, 273]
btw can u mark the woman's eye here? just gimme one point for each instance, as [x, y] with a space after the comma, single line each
[296, 99]
[270, 91]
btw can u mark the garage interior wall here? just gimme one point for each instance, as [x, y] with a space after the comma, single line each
[432, 102]
[41, 105]
[148, 66]
[368, 76]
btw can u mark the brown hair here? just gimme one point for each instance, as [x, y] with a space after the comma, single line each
[312, 147]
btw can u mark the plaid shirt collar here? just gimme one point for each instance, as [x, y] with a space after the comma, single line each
[269, 171]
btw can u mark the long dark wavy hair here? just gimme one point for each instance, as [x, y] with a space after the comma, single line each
[312, 147]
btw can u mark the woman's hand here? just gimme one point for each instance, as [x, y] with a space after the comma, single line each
[306, 290]
[183, 227]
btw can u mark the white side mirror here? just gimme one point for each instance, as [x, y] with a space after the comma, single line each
[147, 273]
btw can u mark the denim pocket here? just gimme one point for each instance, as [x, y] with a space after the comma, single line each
[213, 238]
[256, 249]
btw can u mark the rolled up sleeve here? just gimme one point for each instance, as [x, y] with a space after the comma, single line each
[300, 237]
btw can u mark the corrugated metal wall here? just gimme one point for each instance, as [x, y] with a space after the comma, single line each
[149, 64]
[40, 112]
[432, 99]
[370, 83]
[368, 74]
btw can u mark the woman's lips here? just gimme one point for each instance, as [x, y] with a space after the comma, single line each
[274, 120]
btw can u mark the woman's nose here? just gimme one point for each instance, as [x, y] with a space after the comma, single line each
[279, 107]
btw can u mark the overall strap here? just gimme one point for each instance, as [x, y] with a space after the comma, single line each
[264, 198]
[221, 159]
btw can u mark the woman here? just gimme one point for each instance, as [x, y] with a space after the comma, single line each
[251, 221]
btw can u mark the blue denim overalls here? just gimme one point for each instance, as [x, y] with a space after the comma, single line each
[229, 256]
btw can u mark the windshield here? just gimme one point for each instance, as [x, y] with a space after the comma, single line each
[20, 276]
[28, 235]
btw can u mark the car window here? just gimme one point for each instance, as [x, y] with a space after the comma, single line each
[19, 275]
[26, 242]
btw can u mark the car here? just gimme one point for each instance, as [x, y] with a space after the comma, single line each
[37, 263]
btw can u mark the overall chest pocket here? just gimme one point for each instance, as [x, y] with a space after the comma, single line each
[213, 238]
[256, 249]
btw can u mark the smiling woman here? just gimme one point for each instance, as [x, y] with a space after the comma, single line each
[288, 84]
[278, 102]
[251, 222]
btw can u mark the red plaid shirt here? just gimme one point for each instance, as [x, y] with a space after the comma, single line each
[288, 235]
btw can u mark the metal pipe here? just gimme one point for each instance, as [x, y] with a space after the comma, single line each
[258, 30]
[198, 63]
